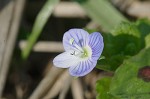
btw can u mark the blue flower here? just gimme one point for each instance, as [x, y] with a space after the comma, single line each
[82, 50]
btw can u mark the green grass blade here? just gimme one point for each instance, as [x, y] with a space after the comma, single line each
[40, 22]
[102, 12]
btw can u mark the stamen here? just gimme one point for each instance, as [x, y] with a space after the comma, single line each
[78, 47]
[73, 53]
[71, 41]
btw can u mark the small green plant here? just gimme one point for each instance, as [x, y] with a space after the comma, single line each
[131, 78]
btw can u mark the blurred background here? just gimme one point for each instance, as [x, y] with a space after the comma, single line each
[31, 32]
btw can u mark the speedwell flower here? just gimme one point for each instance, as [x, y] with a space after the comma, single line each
[82, 50]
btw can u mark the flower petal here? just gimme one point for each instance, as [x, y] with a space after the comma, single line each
[96, 43]
[66, 60]
[83, 68]
[77, 36]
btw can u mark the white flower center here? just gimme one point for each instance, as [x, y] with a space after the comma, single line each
[81, 52]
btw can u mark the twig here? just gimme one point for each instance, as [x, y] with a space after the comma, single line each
[140, 9]
[44, 46]
[69, 9]
[62, 9]
[123, 4]
[18, 6]
[136, 8]
[4, 27]
[19, 91]
[65, 88]
[77, 89]
[46, 83]
[57, 86]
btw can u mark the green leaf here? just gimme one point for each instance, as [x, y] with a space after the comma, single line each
[102, 88]
[124, 41]
[110, 64]
[144, 28]
[102, 12]
[116, 49]
[39, 24]
[147, 41]
[127, 28]
[126, 83]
